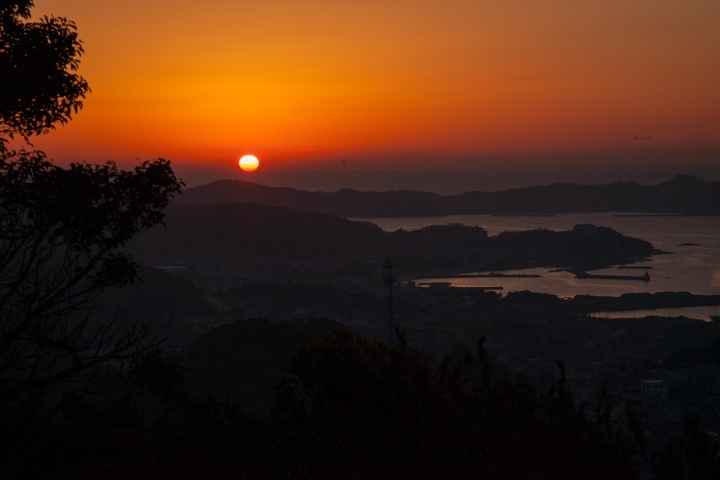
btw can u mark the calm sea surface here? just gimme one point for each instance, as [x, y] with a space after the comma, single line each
[694, 269]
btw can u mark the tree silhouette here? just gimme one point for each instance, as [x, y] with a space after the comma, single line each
[60, 235]
[39, 86]
[61, 230]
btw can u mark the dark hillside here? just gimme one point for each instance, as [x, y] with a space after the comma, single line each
[166, 302]
[159, 293]
[439, 238]
[424, 250]
[253, 230]
[683, 194]
[228, 233]
[245, 359]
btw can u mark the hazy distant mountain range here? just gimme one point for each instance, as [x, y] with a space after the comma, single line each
[683, 194]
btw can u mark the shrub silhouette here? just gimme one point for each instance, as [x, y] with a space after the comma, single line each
[364, 410]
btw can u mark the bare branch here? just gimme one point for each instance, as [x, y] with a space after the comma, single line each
[60, 235]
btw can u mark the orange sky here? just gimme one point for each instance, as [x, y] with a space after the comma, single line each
[296, 81]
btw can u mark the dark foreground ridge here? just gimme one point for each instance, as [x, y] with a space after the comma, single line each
[684, 194]
[230, 235]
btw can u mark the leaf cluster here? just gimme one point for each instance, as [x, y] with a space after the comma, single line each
[39, 83]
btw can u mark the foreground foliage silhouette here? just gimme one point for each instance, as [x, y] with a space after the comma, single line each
[61, 231]
[39, 84]
[378, 412]
[349, 408]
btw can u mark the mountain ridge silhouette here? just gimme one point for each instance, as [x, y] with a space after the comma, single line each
[683, 194]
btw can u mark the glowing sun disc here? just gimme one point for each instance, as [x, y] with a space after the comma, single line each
[249, 163]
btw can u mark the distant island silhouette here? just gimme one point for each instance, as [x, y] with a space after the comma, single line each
[682, 195]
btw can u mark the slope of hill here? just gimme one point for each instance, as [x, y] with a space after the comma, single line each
[222, 234]
[171, 305]
[159, 293]
[682, 194]
[245, 359]
[237, 231]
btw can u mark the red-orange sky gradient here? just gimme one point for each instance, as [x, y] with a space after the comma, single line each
[296, 82]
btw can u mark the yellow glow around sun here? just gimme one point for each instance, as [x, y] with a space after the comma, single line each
[249, 163]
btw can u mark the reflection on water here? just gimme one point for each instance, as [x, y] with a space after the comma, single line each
[694, 269]
[698, 313]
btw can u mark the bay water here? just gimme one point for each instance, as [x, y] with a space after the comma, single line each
[686, 268]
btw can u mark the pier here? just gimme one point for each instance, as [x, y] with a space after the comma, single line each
[443, 285]
[490, 275]
[522, 215]
[642, 278]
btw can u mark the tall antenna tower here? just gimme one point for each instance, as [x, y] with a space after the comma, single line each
[389, 281]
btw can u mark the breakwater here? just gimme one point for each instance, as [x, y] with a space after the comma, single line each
[642, 278]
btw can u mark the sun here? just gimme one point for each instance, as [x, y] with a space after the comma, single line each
[249, 163]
